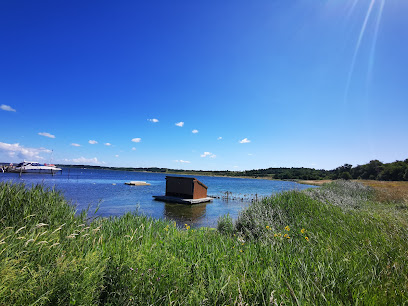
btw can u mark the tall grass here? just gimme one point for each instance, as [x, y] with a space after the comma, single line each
[293, 248]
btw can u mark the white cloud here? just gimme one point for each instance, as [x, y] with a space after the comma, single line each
[245, 140]
[82, 160]
[209, 154]
[116, 155]
[46, 135]
[137, 139]
[182, 161]
[250, 154]
[7, 108]
[194, 131]
[92, 142]
[21, 152]
[219, 138]
[236, 166]
[108, 144]
[180, 124]
[153, 120]
[133, 149]
[75, 145]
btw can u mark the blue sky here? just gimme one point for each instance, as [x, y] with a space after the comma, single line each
[263, 83]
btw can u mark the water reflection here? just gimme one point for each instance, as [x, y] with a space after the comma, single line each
[185, 213]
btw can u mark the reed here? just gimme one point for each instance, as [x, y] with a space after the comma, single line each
[292, 248]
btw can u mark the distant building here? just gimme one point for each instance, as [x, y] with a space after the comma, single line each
[185, 187]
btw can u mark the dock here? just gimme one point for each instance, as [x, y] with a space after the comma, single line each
[137, 183]
[170, 199]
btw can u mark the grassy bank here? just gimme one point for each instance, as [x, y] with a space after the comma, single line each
[338, 244]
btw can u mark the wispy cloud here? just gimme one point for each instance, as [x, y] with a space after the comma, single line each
[245, 140]
[153, 120]
[84, 161]
[133, 149]
[107, 144]
[116, 155]
[75, 145]
[92, 142]
[15, 150]
[180, 124]
[219, 138]
[46, 135]
[194, 131]
[137, 139]
[182, 161]
[209, 154]
[7, 108]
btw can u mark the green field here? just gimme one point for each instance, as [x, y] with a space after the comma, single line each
[338, 244]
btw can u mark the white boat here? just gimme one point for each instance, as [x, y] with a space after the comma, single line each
[35, 167]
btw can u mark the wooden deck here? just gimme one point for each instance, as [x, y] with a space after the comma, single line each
[181, 200]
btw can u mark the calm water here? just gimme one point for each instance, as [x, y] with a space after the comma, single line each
[84, 187]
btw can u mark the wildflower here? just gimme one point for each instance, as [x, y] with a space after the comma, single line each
[288, 237]
[307, 238]
[240, 251]
[276, 235]
[267, 227]
[302, 230]
[287, 228]
[285, 236]
[279, 234]
[187, 227]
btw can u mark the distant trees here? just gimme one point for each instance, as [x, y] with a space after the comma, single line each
[374, 170]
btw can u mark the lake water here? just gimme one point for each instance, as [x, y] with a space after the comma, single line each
[84, 187]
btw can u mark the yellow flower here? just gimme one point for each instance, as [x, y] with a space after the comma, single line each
[187, 227]
[267, 227]
[240, 251]
[279, 234]
[307, 238]
[276, 235]
[286, 235]
[302, 230]
[287, 228]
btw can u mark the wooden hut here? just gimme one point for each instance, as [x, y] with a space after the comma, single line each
[182, 189]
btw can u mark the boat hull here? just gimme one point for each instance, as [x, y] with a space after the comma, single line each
[44, 170]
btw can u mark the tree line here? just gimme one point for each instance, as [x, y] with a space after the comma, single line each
[374, 170]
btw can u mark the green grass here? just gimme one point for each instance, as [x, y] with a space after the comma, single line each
[355, 252]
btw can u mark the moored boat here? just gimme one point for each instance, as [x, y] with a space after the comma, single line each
[35, 167]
